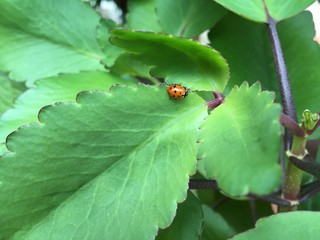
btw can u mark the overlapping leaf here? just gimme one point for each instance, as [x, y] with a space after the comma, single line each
[142, 15]
[179, 60]
[258, 10]
[293, 225]
[113, 166]
[240, 142]
[111, 53]
[256, 61]
[187, 224]
[49, 91]
[9, 91]
[188, 18]
[215, 226]
[44, 38]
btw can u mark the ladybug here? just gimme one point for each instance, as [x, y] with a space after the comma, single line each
[177, 91]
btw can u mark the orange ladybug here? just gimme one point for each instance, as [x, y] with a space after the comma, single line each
[177, 91]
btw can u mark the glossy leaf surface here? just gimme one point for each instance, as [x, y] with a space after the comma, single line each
[82, 174]
[188, 18]
[258, 10]
[235, 152]
[178, 60]
[293, 225]
[187, 223]
[37, 44]
[256, 62]
[49, 91]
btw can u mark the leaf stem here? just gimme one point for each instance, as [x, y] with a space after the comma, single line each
[291, 125]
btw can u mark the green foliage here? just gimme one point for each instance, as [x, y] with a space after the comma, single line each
[142, 15]
[295, 225]
[182, 18]
[37, 37]
[100, 162]
[187, 223]
[179, 18]
[258, 10]
[9, 91]
[236, 154]
[215, 226]
[89, 151]
[50, 90]
[205, 70]
[256, 62]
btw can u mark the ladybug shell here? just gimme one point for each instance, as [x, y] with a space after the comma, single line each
[177, 91]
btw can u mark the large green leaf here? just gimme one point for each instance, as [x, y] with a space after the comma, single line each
[9, 91]
[142, 15]
[51, 90]
[43, 38]
[240, 142]
[187, 224]
[188, 18]
[179, 60]
[258, 10]
[256, 62]
[293, 226]
[113, 165]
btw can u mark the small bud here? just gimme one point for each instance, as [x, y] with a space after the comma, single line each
[309, 120]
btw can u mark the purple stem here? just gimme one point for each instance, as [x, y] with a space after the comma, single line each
[282, 76]
[217, 101]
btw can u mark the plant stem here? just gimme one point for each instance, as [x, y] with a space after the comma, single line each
[293, 176]
[203, 184]
[282, 76]
[291, 189]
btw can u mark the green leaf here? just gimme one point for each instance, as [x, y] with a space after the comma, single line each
[9, 91]
[256, 62]
[257, 10]
[233, 212]
[44, 38]
[111, 166]
[125, 64]
[111, 52]
[188, 18]
[240, 142]
[179, 60]
[3, 148]
[305, 79]
[281, 10]
[49, 91]
[293, 225]
[142, 15]
[215, 226]
[187, 224]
